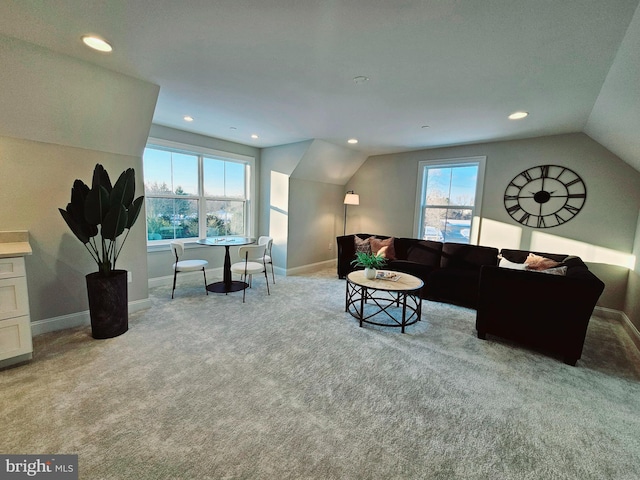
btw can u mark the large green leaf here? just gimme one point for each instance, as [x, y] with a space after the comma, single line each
[75, 227]
[79, 194]
[124, 189]
[101, 178]
[114, 223]
[134, 211]
[96, 206]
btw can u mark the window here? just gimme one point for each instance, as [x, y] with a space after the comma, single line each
[191, 192]
[450, 193]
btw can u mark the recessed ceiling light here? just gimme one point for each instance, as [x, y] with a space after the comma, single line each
[425, 126]
[254, 136]
[187, 118]
[352, 140]
[97, 43]
[518, 115]
[360, 79]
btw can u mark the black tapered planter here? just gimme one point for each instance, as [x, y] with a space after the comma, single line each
[108, 304]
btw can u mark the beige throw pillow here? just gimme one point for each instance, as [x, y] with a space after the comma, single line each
[537, 262]
[384, 248]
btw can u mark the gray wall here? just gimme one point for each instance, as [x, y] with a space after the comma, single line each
[276, 166]
[36, 180]
[302, 188]
[314, 222]
[632, 301]
[602, 233]
[61, 116]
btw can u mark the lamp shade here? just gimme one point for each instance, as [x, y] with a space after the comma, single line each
[352, 199]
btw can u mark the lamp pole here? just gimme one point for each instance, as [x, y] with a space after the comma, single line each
[351, 198]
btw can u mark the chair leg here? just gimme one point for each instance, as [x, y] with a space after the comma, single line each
[267, 280]
[273, 275]
[175, 274]
[205, 281]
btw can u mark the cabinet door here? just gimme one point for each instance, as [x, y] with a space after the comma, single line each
[15, 337]
[14, 300]
[12, 267]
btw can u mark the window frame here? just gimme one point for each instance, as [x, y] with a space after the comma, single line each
[202, 152]
[420, 207]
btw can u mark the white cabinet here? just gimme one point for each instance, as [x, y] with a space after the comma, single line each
[15, 323]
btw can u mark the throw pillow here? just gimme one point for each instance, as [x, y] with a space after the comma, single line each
[555, 271]
[362, 244]
[383, 247]
[536, 262]
[504, 263]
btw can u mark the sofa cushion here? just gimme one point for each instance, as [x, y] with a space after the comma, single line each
[383, 247]
[425, 252]
[469, 257]
[454, 285]
[412, 268]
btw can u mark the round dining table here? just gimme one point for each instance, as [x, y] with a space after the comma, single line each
[227, 284]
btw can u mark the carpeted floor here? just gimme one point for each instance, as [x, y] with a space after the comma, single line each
[288, 386]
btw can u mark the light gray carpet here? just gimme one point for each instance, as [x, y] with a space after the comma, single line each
[290, 387]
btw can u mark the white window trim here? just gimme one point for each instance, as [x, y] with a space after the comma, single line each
[475, 222]
[196, 149]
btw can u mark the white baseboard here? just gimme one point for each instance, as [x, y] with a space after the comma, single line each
[312, 267]
[77, 319]
[621, 317]
[168, 279]
[212, 273]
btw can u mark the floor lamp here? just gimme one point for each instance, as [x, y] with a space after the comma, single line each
[349, 199]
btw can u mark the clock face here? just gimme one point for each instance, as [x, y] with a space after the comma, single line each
[545, 196]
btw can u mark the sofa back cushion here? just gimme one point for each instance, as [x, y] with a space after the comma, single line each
[467, 257]
[424, 252]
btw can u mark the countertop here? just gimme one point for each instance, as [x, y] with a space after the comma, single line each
[14, 244]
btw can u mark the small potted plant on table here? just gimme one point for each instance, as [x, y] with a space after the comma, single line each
[370, 261]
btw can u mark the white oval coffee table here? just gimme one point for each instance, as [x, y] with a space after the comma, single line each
[384, 296]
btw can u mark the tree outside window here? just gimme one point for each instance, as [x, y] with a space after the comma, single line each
[192, 196]
[449, 200]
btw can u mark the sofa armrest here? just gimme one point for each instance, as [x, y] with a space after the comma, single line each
[346, 252]
[551, 312]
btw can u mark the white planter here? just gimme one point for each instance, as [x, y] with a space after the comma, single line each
[370, 273]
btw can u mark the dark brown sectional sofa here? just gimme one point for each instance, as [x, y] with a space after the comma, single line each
[547, 312]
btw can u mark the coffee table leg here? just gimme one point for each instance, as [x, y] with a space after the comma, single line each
[404, 311]
[363, 294]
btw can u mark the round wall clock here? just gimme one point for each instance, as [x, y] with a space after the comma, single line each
[545, 196]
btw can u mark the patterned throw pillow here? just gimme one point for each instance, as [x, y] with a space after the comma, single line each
[384, 248]
[362, 244]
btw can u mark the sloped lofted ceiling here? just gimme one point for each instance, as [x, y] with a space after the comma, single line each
[285, 69]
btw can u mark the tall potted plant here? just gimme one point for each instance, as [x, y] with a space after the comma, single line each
[98, 216]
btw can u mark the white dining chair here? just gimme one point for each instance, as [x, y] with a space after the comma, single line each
[186, 265]
[248, 266]
[267, 259]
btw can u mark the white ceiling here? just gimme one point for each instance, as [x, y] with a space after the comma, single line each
[284, 69]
